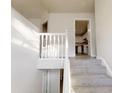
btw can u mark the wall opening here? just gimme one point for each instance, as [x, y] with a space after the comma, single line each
[45, 27]
[81, 38]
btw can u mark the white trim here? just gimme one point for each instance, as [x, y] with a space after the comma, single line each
[104, 62]
[50, 64]
[67, 78]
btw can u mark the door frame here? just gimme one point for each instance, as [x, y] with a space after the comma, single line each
[90, 47]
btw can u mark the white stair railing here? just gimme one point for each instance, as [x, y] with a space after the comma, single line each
[53, 45]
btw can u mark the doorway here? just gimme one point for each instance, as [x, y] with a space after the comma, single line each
[45, 27]
[82, 45]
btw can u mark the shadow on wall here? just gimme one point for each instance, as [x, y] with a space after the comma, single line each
[24, 54]
[24, 36]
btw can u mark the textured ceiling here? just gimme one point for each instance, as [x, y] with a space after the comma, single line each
[69, 5]
[28, 8]
[81, 27]
[34, 8]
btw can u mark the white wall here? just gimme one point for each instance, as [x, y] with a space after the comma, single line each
[58, 22]
[26, 78]
[44, 16]
[54, 81]
[40, 20]
[37, 22]
[103, 16]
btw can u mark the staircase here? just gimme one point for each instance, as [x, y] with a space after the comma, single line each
[88, 75]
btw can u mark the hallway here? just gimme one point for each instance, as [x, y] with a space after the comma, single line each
[88, 75]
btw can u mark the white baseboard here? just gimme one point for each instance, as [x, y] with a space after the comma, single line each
[109, 72]
[93, 55]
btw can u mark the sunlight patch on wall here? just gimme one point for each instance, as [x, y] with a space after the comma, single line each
[22, 44]
[24, 35]
[23, 29]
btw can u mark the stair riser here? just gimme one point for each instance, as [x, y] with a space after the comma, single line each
[87, 73]
[94, 82]
[86, 61]
[98, 80]
[88, 67]
[92, 90]
[85, 64]
[93, 71]
[102, 76]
